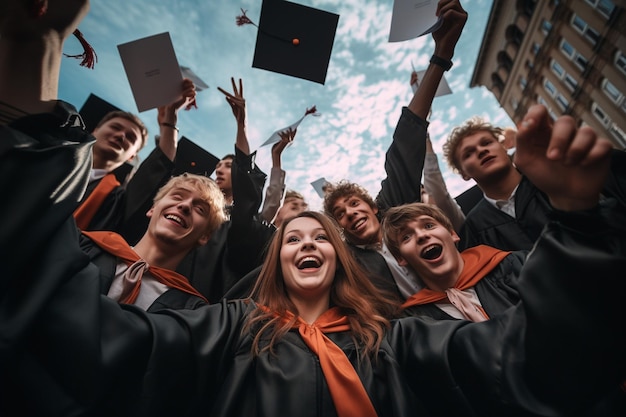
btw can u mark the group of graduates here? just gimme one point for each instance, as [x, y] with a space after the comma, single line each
[176, 295]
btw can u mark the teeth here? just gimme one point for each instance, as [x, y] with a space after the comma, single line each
[309, 262]
[432, 252]
[357, 224]
[175, 218]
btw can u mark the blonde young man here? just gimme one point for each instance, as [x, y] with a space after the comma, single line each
[185, 213]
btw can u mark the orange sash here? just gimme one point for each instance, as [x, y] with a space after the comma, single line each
[478, 262]
[345, 386]
[116, 245]
[88, 208]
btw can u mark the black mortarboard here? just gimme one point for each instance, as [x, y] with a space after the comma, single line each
[194, 159]
[93, 110]
[294, 39]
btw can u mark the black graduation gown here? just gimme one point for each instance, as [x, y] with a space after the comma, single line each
[68, 350]
[486, 225]
[237, 247]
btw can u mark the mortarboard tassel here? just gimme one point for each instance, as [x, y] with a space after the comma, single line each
[89, 57]
[40, 7]
[245, 20]
[312, 111]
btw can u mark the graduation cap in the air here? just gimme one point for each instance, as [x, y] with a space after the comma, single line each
[198, 82]
[94, 109]
[194, 159]
[293, 39]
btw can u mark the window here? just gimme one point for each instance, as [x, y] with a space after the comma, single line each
[570, 82]
[600, 115]
[612, 91]
[584, 29]
[557, 69]
[569, 51]
[546, 27]
[549, 87]
[541, 100]
[523, 83]
[562, 102]
[620, 61]
[618, 134]
[605, 7]
[536, 48]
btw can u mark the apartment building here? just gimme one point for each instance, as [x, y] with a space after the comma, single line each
[568, 55]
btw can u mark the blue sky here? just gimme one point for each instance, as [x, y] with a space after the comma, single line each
[366, 86]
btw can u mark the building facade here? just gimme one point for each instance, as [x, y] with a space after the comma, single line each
[569, 55]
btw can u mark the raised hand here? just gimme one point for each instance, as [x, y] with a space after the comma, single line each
[236, 100]
[169, 112]
[446, 37]
[568, 163]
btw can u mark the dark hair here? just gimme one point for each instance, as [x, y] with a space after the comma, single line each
[131, 118]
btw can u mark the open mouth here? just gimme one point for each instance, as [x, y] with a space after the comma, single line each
[487, 159]
[176, 219]
[432, 252]
[309, 262]
[358, 224]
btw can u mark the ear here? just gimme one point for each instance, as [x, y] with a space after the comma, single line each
[131, 158]
[204, 239]
[401, 261]
[150, 212]
[455, 238]
[375, 209]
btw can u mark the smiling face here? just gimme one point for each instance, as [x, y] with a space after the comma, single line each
[180, 218]
[481, 157]
[430, 249]
[358, 220]
[308, 260]
[223, 175]
[117, 140]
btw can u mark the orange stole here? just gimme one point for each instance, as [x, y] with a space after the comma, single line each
[345, 386]
[88, 208]
[478, 262]
[116, 245]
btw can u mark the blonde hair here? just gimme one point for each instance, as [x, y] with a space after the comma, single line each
[209, 192]
[469, 127]
[396, 218]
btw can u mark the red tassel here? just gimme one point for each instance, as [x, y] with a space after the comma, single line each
[39, 7]
[243, 19]
[89, 57]
[312, 110]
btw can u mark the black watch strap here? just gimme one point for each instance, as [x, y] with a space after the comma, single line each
[443, 63]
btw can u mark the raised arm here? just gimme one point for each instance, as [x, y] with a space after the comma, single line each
[238, 105]
[167, 117]
[446, 38]
[276, 189]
